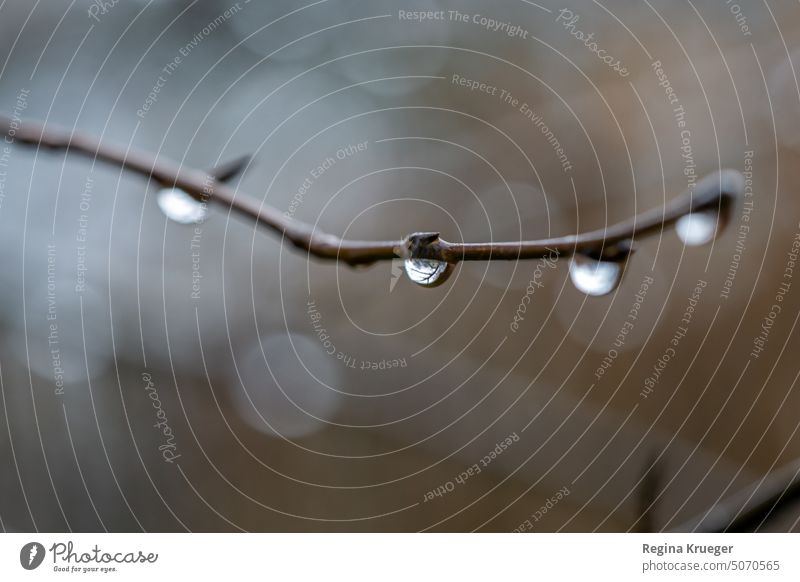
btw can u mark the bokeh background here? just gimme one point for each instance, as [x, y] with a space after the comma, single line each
[117, 324]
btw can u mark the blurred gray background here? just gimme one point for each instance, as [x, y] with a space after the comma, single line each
[221, 334]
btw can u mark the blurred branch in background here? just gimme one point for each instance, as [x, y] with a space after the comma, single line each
[753, 507]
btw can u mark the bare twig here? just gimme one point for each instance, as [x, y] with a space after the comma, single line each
[715, 191]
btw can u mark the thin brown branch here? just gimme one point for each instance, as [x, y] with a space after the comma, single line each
[717, 190]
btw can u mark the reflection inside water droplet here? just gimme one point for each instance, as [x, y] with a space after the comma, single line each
[594, 277]
[426, 272]
[697, 228]
[177, 205]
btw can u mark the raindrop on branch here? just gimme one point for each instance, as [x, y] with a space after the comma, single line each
[177, 205]
[427, 272]
[593, 277]
[698, 228]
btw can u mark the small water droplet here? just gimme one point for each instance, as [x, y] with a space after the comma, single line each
[697, 228]
[594, 277]
[427, 272]
[177, 205]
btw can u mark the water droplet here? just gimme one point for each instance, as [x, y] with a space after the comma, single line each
[177, 205]
[595, 277]
[427, 272]
[697, 228]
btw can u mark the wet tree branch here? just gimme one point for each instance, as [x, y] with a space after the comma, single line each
[717, 190]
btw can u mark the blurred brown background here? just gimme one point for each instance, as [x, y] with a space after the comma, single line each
[269, 431]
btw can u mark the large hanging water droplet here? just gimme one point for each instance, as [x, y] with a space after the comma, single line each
[595, 277]
[427, 272]
[177, 205]
[698, 228]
